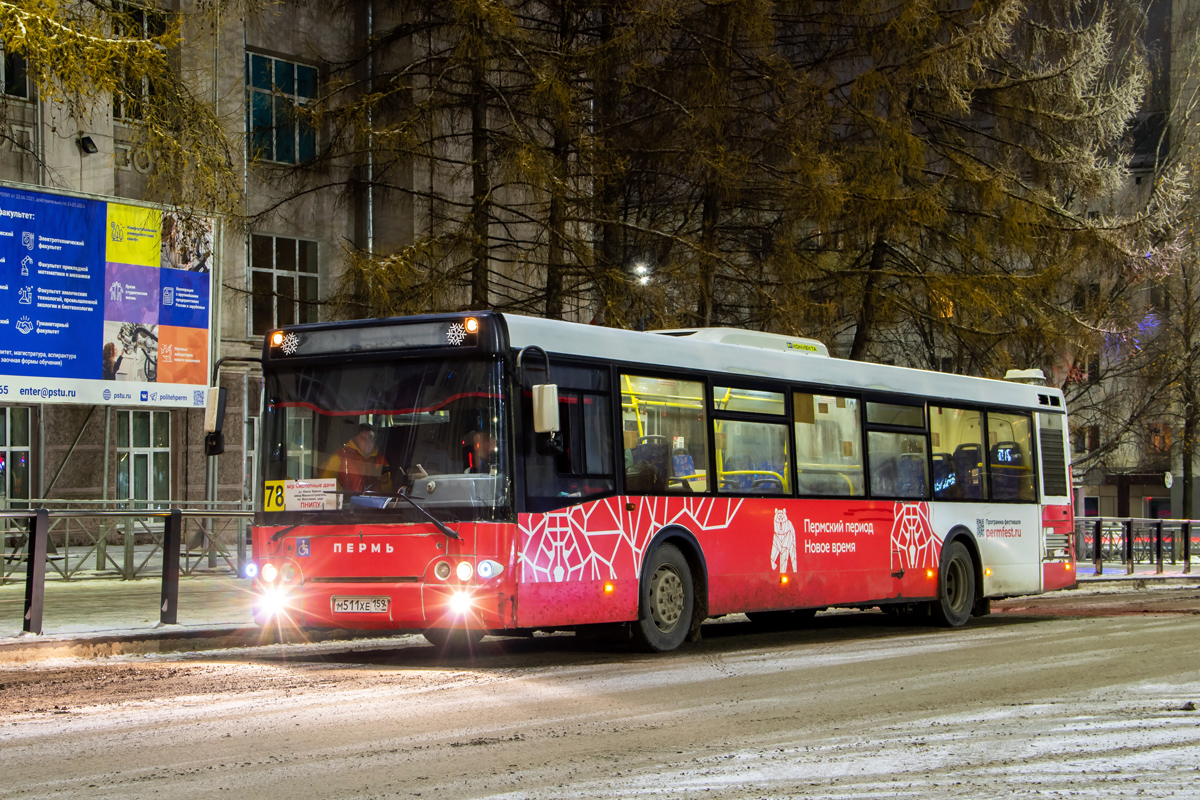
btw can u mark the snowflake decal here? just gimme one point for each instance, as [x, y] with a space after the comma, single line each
[291, 343]
[456, 333]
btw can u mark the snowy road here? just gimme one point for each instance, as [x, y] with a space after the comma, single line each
[1068, 696]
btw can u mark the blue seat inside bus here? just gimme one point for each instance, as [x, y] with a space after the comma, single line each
[647, 472]
[1008, 471]
[968, 467]
[945, 479]
[910, 475]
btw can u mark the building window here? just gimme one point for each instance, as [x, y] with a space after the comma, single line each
[144, 458]
[135, 22]
[1158, 438]
[275, 89]
[283, 280]
[14, 457]
[15, 75]
[1085, 439]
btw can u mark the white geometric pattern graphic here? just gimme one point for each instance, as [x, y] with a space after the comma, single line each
[913, 537]
[606, 540]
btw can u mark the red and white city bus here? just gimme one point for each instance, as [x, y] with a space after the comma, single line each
[471, 473]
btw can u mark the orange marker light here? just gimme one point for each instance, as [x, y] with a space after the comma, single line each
[277, 338]
[783, 579]
[608, 588]
[987, 571]
[472, 325]
[928, 573]
[1068, 566]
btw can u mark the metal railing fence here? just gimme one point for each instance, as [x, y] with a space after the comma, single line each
[106, 539]
[1129, 541]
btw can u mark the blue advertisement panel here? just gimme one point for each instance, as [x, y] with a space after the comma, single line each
[101, 302]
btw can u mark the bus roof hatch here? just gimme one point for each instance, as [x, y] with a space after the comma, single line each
[765, 341]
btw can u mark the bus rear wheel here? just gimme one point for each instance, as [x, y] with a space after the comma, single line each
[956, 587]
[666, 601]
[454, 641]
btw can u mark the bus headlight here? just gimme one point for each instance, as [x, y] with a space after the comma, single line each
[488, 569]
[460, 603]
[465, 571]
[272, 602]
[269, 573]
[288, 572]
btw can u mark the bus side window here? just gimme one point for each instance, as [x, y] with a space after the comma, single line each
[897, 459]
[666, 444]
[828, 432]
[1010, 456]
[959, 457]
[585, 467]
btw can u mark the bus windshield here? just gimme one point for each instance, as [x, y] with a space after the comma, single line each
[345, 440]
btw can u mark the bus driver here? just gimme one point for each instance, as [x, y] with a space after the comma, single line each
[360, 467]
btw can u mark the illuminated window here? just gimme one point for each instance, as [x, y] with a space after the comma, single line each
[666, 444]
[828, 432]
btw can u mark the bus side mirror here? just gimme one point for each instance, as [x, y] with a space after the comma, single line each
[214, 421]
[545, 419]
[545, 408]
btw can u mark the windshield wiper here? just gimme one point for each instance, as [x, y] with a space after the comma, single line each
[441, 526]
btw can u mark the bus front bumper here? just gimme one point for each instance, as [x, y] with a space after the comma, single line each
[378, 606]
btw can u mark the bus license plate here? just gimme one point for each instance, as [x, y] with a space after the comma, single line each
[360, 605]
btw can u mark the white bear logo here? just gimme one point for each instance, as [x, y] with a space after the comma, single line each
[783, 546]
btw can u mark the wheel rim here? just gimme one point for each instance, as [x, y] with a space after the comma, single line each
[956, 584]
[666, 598]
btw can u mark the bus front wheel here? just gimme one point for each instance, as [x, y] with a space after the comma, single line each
[666, 602]
[956, 587]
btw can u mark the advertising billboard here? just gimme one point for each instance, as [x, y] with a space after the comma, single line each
[102, 303]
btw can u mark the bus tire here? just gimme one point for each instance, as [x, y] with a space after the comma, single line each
[454, 641]
[956, 587]
[666, 601]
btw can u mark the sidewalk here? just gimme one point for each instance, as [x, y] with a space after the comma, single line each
[94, 617]
[1115, 572]
[98, 617]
